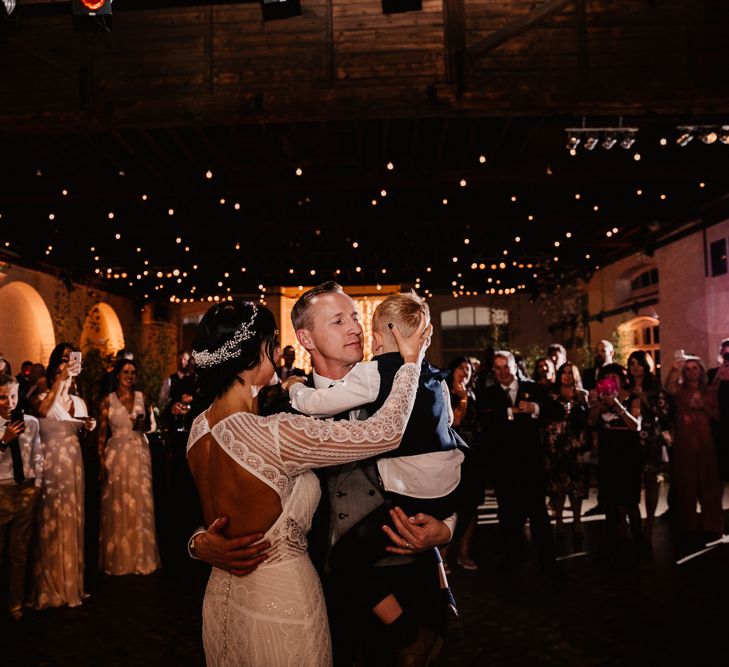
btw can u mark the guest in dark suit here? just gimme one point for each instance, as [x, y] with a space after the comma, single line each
[512, 411]
[286, 370]
[604, 352]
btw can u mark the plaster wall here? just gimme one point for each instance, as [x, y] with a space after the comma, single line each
[67, 311]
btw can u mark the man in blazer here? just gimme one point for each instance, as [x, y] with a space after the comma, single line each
[512, 412]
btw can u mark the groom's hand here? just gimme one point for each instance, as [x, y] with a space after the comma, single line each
[237, 555]
[415, 533]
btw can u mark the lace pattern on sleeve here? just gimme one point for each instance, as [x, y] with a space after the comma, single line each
[198, 430]
[309, 443]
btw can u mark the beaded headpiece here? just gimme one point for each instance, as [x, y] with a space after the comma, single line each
[227, 350]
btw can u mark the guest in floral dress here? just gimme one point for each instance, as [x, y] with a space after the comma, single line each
[655, 422]
[565, 443]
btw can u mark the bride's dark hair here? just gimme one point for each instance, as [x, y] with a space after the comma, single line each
[218, 328]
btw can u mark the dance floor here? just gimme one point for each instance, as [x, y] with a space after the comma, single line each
[605, 611]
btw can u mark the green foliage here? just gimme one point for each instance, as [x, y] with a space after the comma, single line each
[88, 382]
[530, 356]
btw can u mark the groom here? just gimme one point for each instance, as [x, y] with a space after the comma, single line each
[327, 325]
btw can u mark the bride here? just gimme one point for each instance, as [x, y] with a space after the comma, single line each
[257, 471]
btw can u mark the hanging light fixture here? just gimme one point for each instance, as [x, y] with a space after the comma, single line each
[628, 140]
[686, 136]
[609, 141]
[591, 142]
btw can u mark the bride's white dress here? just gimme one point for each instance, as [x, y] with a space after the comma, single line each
[276, 615]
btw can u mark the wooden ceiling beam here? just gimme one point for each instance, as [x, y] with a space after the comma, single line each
[55, 65]
[543, 11]
[134, 153]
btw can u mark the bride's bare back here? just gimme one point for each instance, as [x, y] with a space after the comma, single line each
[229, 490]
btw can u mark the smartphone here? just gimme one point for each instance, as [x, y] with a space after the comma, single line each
[74, 358]
[16, 415]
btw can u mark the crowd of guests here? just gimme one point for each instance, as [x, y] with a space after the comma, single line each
[541, 441]
[62, 470]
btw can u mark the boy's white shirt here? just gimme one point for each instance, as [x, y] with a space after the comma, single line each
[431, 475]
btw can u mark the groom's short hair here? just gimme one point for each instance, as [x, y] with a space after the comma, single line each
[301, 312]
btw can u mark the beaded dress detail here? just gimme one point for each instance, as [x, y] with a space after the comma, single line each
[276, 615]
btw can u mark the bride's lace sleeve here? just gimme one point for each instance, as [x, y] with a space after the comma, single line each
[314, 443]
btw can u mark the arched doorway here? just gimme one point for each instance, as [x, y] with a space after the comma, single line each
[27, 332]
[102, 330]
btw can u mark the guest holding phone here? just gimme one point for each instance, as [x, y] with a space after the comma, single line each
[696, 472]
[128, 542]
[58, 561]
[21, 473]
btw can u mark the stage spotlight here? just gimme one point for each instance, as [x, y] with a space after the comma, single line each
[91, 15]
[627, 141]
[685, 138]
[573, 141]
[709, 137]
[724, 136]
[609, 141]
[280, 9]
[590, 142]
[399, 6]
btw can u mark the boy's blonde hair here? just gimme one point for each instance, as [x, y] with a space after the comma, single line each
[402, 309]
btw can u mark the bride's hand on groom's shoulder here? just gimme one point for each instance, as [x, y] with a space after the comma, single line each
[415, 533]
[237, 555]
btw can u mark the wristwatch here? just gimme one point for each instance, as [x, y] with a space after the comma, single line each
[191, 543]
[191, 546]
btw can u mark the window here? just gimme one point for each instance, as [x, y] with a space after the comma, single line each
[717, 252]
[645, 279]
[471, 330]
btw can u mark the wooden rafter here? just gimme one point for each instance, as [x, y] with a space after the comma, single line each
[511, 30]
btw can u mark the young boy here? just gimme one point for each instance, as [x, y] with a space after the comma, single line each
[21, 472]
[421, 475]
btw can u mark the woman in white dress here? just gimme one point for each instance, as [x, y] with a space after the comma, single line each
[257, 471]
[127, 542]
[58, 563]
